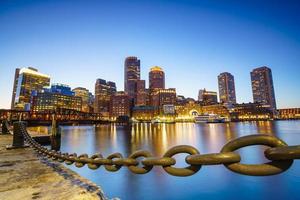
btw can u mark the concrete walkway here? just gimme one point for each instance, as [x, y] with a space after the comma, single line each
[26, 175]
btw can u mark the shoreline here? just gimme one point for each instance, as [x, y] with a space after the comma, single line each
[148, 122]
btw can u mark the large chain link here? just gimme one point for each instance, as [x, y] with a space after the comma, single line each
[280, 155]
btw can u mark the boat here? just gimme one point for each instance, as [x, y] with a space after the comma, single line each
[133, 121]
[209, 118]
[155, 121]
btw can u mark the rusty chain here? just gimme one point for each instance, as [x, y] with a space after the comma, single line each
[280, 155]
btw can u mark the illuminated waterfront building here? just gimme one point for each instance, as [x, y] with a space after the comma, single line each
[207, 97]
[120, 105]
[148, 96]
[57, 97]
[12, 106]
[131, 75]
[168, 109]
[103, 93]
[29, 81]
[141, 95]
[289, 113]
[84, 94]
[180, 100]
[188, 111]
[156, 78]
[160, 97]
[250, 111]
[226, 88]
[144, 113]
[217, 109]
[262, 87]
[61, 89]
[91, 102]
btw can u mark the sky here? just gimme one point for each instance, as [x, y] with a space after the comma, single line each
[76, 42]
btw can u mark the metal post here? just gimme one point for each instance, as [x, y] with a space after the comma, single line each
[55, 142]
[18, 138]
[53, 125]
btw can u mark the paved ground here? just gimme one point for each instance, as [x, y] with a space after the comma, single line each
[25, 175]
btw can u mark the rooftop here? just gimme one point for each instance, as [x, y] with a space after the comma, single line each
[33, 72]
[156, 68]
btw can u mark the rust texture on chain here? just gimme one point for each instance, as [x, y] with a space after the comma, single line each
[280, 155]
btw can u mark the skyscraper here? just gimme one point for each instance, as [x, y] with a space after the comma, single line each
[29, 81]
[84, 94]
[161, 97]
[131, 75]
[141, 97]
[12, 106]
[262, 87]
[59, 96]
[91, 102]
[156, 78]
[103, 92]
[226, 88]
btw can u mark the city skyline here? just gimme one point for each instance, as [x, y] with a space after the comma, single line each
[32, 94]
[145, 81]
[182, 53]
[28, 82]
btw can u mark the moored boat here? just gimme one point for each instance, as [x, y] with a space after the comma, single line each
[209, 118]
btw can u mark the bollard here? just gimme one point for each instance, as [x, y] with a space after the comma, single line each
[55, 129]
[18, 138]
[55, 142]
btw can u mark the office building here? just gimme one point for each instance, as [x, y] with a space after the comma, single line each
[84, 94]
[91, 103]
[156, 78]
[120, 105]
[29, 81]
[250, 111]
[131, 75]
[289, 113]
[12, 106]
[57, 97]
[141, 95]
[144, 113]
[262, 87]
[226, 88]
[160, 97]
[103, 92]
[63, 89]
[207, 97]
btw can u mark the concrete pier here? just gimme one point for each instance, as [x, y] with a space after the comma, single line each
[26, 175]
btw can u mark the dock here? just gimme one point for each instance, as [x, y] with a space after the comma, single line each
[26, 175]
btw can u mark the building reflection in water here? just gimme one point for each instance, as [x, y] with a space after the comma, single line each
[39, 130]
[158, 138]
[266, 127]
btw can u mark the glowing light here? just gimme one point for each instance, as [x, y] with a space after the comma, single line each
[30, 71]
[156, 68]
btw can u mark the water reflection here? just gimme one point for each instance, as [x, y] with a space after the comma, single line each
[39, 130]
[216, 181]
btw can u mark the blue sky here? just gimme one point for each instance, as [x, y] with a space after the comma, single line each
[76, 42]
